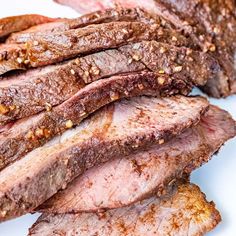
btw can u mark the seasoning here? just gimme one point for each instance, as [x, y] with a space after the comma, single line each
[178, 68]
[161, 80]
[35, 43]
[130, 60]
[39, 133]
[136, 57]
[69, 124]
[161, 141]
[19, 60]
[125, 31]
[162, 50]
[48, 106]
[46, 133]
[140, 86]
[72, 71]
[161, 71]
[3, 109]
[114, 96]
[212, 48]
[94, 70]
[174, 39]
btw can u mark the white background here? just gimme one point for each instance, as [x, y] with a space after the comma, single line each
[217, 178]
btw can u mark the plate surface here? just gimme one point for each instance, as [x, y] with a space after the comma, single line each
[216, 179]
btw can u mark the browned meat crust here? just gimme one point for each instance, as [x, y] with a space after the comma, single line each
[125, 180]
[98, 17]
[44, 49]
[30, 133]
[118, 129]
[184, 211]
[28, 93]
[12, 24]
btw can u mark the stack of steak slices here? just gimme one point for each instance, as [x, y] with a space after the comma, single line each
[210, 24]
[98, 129]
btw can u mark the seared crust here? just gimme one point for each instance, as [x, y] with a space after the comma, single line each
[102, 187]
[116, 130]
[31, 92]
[12, 24]
[184, 211]
[97, 17]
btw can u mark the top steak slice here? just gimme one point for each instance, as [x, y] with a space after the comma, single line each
[183, 211]
[118, 129]
[102, 187]
[211, 25]
[12, 24]
[98, 17]
[45, 49]
[36, 89]
[21, 137]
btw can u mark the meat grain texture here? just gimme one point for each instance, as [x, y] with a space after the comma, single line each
[146, 172]
[184, 211]
[116, 130]
[210, 24]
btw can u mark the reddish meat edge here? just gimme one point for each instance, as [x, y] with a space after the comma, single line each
[182, 211]
[12, 24]
[116, 130]
[32, 132]
[26, 94]
[97, 17]
[146, 172]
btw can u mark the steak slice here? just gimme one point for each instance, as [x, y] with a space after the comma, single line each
[45, 49]
[36, 89]
[183, 211]
[12, 24]
[29, 133]
[213, 25]
[98, 17]
[102, 187]
[116, 130]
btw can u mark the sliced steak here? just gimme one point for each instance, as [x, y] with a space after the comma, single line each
[213, 25]
[33, 91]
[116, 130]
[98, 17]
[45, 49]
[102, 187]
[12, 24]
[30, 133]
[183, 211]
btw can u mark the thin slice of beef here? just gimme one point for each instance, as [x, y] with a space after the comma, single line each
[98, 17]
[102, 187]
[28, 93]
[116, 130]
[45, 49]
[12, 24]
[182, 211]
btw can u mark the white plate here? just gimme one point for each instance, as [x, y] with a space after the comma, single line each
[216, 179]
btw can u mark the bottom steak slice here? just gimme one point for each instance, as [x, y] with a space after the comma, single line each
[116, 130]
[184, 211]
[123, 181]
